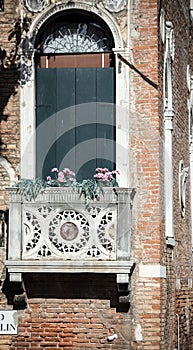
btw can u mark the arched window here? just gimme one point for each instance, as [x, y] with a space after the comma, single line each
[75, 32]
[75, 95]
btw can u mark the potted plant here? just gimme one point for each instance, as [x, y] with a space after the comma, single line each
[90, 189]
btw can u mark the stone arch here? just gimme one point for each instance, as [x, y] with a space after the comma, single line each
[10, 171]
[53, 9]
[7, 178]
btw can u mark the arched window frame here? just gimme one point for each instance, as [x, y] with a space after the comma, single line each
[27, 99]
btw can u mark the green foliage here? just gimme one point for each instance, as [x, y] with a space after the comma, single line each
[31, 188]
[90, 189]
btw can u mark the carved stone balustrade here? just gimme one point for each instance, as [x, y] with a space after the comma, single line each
[56, 232]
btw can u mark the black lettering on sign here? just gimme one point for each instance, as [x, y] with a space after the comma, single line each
[8, 327]
[2, 317]
[12, 326]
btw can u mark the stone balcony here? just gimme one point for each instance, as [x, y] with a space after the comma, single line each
[57, 233]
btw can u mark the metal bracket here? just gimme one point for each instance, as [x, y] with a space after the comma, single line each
[170, 241]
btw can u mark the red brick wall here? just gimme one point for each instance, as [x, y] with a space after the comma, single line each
[146, 168]
[179, 259]
[184, 307]
[144, 135]
[67, 324]
[9, 81]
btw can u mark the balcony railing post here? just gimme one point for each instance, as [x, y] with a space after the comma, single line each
[15, 229]
[123, 225]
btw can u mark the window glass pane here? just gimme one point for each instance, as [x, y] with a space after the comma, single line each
[75, 34]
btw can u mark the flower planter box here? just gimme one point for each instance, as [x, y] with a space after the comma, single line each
[56, 232]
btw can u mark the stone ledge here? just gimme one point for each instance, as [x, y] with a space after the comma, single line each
[19, 267]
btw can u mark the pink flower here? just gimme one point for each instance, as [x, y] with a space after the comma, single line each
[67, 172]
[72, 179]
[48, 178]
[60, 176]
[107, 177]
[99, 169]
[102, 170]
[54, 170]
[98, 176]
[116, 172]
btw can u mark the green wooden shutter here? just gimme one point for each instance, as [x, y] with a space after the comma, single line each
[65, 118]
[75, 120]
[86, 90]
[105, 118]
[46, 105]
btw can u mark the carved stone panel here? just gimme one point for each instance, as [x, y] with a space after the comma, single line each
[35, 5]
[114, 5]
[183, 175]
[52, 232]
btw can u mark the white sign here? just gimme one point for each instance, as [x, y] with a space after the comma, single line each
[8, 322]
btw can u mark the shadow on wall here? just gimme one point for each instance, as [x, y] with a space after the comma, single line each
[67, 286]
[10, 69]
